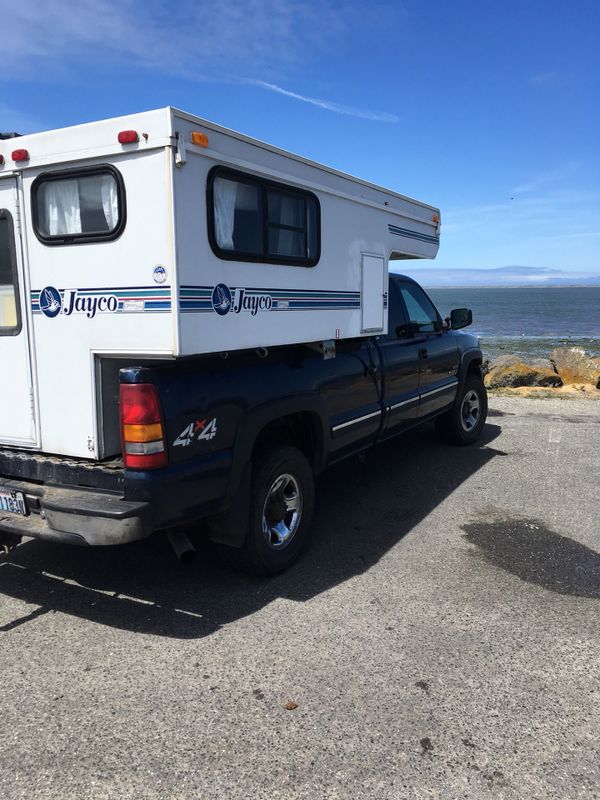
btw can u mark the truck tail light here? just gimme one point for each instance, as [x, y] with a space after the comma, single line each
[142, 428]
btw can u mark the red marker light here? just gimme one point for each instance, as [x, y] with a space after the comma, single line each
[20, 155]
[128, 137]
[1, 159]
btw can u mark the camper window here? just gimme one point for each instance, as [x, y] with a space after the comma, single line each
[78, 205]
[250, 219]
[10, 317]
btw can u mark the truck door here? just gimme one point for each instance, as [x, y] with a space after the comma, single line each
[438, 353]
[17, 415]
[400, 367]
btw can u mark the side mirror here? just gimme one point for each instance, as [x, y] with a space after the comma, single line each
[460, 318]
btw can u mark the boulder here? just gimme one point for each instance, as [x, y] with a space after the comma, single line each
[574, 365]
[509, 370]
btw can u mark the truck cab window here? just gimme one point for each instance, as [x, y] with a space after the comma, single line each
[78, 205]
[421, 311]
[9, 305]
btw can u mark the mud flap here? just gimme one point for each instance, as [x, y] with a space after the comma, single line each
[231, 526]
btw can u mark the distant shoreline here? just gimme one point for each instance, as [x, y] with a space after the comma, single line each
[517, 286]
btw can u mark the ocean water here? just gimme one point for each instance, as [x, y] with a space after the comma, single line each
[528, 321]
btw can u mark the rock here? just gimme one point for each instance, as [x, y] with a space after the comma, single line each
[574, 365]
[507, 371]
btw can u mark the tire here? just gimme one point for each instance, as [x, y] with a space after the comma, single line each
[282, 501]
[463, 423]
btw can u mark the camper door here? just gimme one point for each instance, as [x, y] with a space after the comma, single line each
[17, 417]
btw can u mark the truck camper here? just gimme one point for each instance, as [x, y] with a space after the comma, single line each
[141, 255]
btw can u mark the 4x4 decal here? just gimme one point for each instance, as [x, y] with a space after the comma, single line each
[200, 429]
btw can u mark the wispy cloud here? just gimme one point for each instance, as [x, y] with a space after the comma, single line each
[328, 105]
[194, 39]
[558, 212]
[544, 78]
[11, 120]
[554, 175]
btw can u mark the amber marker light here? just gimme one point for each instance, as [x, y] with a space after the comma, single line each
[199, 139]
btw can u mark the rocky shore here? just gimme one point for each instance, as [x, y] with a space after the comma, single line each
[567, 371]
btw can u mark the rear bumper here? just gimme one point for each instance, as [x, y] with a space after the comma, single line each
[76, 516]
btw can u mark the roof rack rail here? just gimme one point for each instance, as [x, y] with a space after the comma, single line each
[11, 135]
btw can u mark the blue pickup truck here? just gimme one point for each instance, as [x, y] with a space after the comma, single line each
[237, 440]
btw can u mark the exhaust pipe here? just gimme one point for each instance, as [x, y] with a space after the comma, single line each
[182, 547]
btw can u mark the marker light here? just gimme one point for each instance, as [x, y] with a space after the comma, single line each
[142, 430]
[20, 155]
[128, 137]
[435, 218]
[1, 159]
[199, 139]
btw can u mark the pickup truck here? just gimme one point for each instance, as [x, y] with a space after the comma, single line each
[237, 439]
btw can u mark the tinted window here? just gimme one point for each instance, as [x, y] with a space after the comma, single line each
[396, 318]
[256, 220]
[10, 323]
[84, 205]
[420, 309]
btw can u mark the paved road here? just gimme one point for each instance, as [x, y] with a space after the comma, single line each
[441, 639]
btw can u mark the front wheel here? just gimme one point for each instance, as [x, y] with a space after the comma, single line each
[463, 423]
[281, 506]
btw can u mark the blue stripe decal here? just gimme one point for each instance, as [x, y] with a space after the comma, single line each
[199, 299]
[130, 299]
[423, 237]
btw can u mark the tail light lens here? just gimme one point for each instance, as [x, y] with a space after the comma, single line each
[142, 428]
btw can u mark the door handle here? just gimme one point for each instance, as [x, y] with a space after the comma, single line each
[423, 352]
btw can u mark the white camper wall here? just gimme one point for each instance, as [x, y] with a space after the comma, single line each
[123, 268]
[304, 303]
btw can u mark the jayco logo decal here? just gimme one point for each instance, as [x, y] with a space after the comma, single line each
[50, 301]
[252, 300]
[76, 302]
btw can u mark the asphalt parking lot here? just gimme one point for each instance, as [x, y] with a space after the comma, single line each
[441, 639]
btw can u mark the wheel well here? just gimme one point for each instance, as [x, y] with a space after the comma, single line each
[301, 430]
[474, 367]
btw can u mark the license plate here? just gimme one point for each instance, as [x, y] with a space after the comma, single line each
[13, 502]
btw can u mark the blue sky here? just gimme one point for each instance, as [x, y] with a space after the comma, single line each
[489, 110]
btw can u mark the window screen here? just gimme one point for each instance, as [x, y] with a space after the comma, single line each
[73, 206]
[9, 299]
[255, 220]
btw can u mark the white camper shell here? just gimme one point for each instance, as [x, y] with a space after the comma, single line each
[162, 235]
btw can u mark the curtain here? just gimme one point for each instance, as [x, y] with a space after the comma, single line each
[285, 210]
[110, 200]
[61, 205]
[224, 204]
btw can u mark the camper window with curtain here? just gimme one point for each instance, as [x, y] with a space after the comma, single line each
[83, 205]
[262, 221]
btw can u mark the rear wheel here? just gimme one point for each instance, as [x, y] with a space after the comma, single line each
[281, 507]
[463, 423]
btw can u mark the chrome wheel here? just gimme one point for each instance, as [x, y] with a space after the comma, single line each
[282, 511]
[470, 410]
